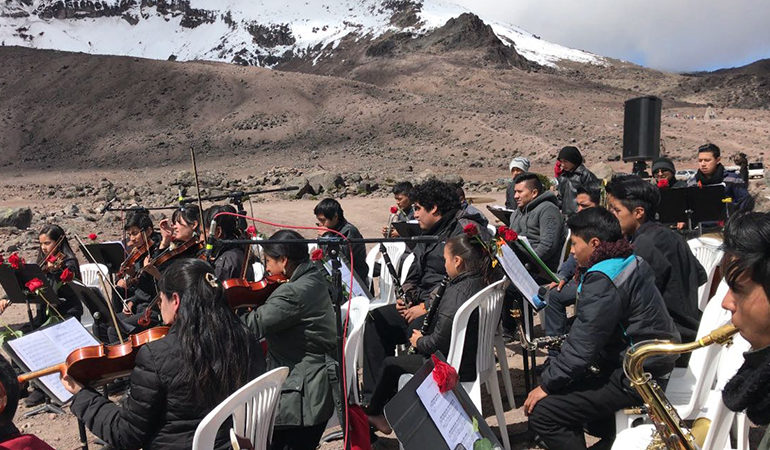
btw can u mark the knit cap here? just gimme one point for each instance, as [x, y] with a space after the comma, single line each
[571, 154]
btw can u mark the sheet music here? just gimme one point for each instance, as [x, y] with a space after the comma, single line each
[51, 346]
[450, 418]
[358, 291]
[517, 273]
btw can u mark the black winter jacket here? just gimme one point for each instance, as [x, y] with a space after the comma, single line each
[568, 184]
[157, 412]
[439, 331]
[228, 263]
[677, 274]
[359, 250]
[618, 306]
[428, 270]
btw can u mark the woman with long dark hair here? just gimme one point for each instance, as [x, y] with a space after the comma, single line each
[227, 259]
[54, 255]
[299, 325]
[206, 355]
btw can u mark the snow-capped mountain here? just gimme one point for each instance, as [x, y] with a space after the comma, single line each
[253, 32]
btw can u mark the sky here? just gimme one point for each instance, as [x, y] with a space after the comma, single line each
[671, 35]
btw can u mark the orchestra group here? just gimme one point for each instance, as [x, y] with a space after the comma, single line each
[629, 277]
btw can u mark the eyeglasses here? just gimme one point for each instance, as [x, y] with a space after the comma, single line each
[659, 171]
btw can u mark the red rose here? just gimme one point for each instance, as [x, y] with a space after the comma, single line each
[663, 183]
[92, 236]
[251, 230]
[470, 230]
[394, 209]
[317, 255]
[34, 284]
[15, 261]
[557, 169]
[510, 235]
[66, 275]
[444, 375]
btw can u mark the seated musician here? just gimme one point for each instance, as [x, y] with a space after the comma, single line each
[185, 225]
[469, 268]
[404, 206]
[747, 271]
[139, 290]
[329, 214]
[10, 436]
[228, 259]
[677, 273]
[564, 293]
[299, 324]
[584, 385]
[181, 377]
[435, 207]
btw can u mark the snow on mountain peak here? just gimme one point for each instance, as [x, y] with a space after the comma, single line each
[254, 32]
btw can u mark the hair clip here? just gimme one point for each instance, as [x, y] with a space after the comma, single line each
[211, 279]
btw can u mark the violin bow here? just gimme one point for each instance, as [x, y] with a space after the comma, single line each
[112, 310]
[55, 247]
[198, 192]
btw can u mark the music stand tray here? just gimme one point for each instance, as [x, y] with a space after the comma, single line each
[407, 229]
[111, 254]
[696, 204]
[501, 213]
[13, 282]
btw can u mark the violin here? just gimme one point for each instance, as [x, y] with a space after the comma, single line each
[96, 365]
[53, 263]
[128, 267]
[191, 245]
[241, 293]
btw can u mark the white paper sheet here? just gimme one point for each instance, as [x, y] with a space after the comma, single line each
[51, 346]
[358, 291]
[450, 418]
[517, 273]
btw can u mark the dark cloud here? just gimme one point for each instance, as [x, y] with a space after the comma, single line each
[678, 35]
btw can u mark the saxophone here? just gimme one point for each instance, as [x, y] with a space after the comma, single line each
[671, 431]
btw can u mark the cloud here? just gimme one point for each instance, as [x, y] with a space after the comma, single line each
[673, 35]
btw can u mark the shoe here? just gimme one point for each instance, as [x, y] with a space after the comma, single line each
[36, 397]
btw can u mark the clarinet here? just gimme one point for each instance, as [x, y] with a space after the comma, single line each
[392, 271]
[433, 308]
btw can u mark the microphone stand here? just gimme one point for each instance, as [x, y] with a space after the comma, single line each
[332, 244]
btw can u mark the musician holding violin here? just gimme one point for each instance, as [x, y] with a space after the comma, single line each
[298, 323]
[228, 260]
[206, 356]
[184, 228]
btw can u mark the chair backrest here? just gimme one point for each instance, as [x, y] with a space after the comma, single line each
[708, 253]
[252, 408]
[405, 266]
[371, 259]
[90, 274]
[489, 302]
[703, 362]
[387, 293]
[359, 308]
[492, 229]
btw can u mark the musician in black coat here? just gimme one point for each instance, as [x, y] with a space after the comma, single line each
[206, 356]
[469, 270]
[329, 214]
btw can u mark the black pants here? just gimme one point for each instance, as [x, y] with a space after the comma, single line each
[556, 308]
[560, 418]
[385, 329]
[297, 438]
[393, 368]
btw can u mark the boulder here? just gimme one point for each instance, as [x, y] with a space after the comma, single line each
[20, 218]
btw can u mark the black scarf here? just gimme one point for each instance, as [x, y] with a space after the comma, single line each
[748, 389]
[717, 177]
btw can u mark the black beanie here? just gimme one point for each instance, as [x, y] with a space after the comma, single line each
[663, 163]
[571, 154]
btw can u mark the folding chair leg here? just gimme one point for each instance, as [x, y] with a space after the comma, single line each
[502, 357]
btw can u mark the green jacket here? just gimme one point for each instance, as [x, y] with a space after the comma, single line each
[298, 323]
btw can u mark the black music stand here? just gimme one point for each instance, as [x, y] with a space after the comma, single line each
[412, 423]
[407, 229]
[502, 214]
[111, 254]
[693, 205]
[96, 304]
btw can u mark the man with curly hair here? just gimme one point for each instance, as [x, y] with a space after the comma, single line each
[436, 207]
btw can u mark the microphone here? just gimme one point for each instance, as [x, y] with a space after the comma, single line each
[107, 205]
[210, 239]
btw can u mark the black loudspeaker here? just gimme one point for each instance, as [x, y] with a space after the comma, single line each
[641, 129]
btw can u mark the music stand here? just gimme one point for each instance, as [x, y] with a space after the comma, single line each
[93, 299]
[693, 205]
[111, 254]
[407, 229]
[501, 213]
[13, 282]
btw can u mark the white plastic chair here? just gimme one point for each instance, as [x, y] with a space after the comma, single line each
[405, 266]
[372, 256]
[688, 388]
[387, 288]
[252, 407]
[489, 303]
[492, 229]
[565, 248]
[354, 348]
[89, 274]
[708, 253]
